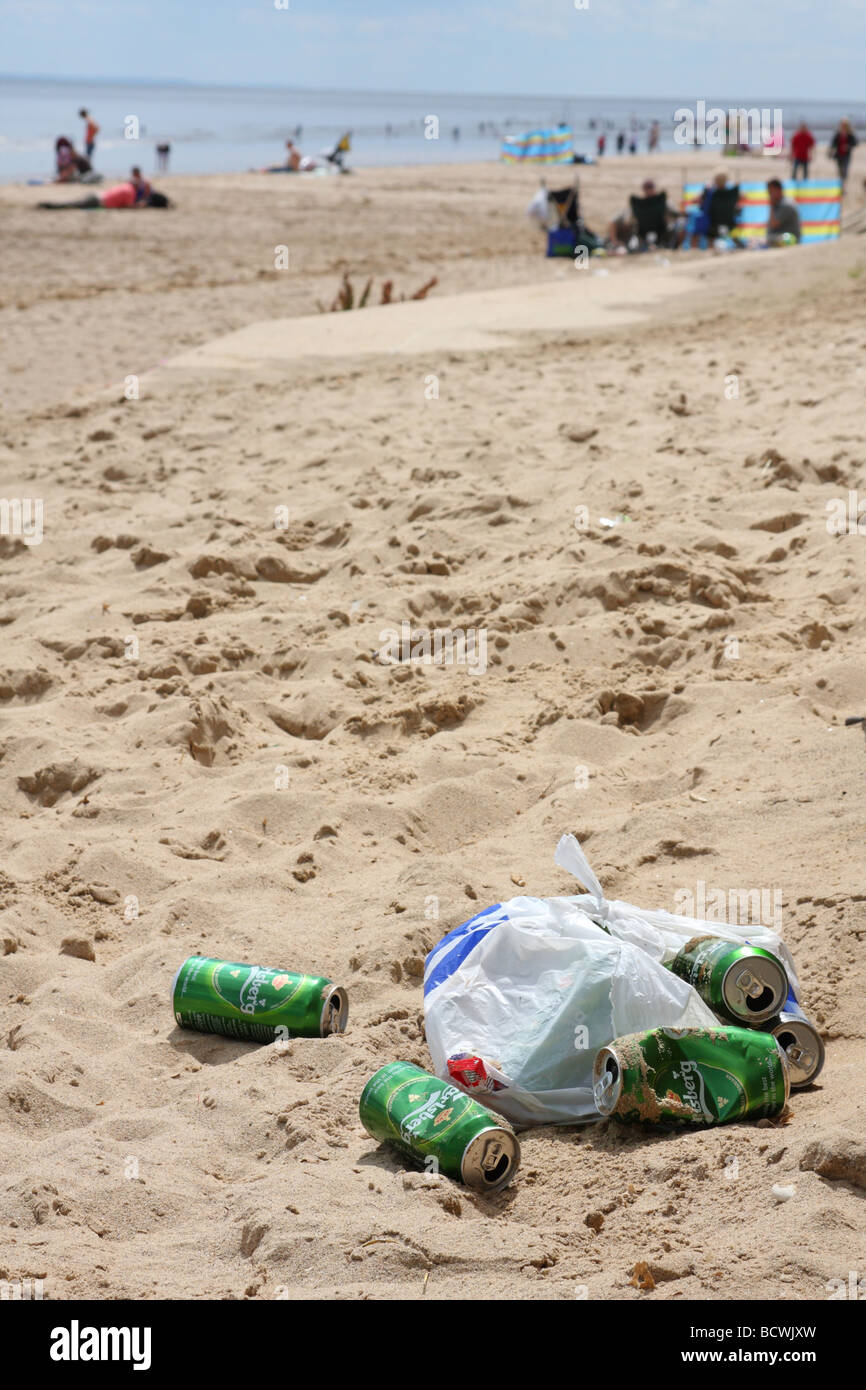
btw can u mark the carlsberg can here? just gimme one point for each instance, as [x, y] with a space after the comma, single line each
[425, 1118]
[255, 1002]
[692, 1075]
[801, 1042]
[745, 984]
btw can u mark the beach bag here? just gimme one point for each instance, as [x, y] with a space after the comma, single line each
[561, 241]
[519, 999]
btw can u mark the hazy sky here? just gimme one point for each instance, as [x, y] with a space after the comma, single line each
[713, 48]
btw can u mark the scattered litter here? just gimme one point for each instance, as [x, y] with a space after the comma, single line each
[540, 1006]
[783, 1194]
[641, 1278]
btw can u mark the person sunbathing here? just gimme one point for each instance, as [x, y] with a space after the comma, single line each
[295, 162]
[122, 195]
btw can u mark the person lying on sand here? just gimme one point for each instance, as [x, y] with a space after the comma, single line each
[122, 195]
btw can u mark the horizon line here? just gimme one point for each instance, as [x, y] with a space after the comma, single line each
[370, 91]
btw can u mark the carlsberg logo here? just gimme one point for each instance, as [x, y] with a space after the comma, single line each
[693, 1088]
[249, 992]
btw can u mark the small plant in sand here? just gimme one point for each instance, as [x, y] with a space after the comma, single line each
[345, 296]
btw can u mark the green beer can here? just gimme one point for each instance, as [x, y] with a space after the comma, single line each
[255, 1002]
[692, 1076]
[423, 1117]
[745, 984]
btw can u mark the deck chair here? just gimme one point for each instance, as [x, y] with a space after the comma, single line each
[651, 217]
[340, 150]
[566, 201]
[572, 230]
[722, 209]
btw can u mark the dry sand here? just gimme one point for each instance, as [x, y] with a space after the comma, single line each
[142, 819]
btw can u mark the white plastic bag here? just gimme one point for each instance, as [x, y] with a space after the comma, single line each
[661, 934]
[533, 987]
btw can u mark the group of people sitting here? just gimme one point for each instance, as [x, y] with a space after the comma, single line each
[134, 192]
[649, 222]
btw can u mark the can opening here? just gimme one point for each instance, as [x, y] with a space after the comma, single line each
[335, 1013]
[498, 1171]
[606, 1089]
[786, 1040]
[760, 1003]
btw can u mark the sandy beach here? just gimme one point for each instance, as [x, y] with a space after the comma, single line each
[201, 754]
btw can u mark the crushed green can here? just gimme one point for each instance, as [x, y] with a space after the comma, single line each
[692, 1076]
[745, 984]
[433, 1124]
[255, 1002]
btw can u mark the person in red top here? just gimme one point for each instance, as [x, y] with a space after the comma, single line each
[802, 145]
[122, 195]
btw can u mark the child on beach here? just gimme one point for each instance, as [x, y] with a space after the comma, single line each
[91, 130]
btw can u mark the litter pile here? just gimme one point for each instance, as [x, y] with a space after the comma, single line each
[553, 1011]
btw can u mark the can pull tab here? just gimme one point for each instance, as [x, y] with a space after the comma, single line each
[491, 1156]
[601, 1087]
[749, 985]
[800, 1057]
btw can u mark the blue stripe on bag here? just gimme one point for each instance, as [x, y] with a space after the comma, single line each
[443, 961]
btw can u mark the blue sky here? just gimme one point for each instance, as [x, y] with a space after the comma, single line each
[775, 48]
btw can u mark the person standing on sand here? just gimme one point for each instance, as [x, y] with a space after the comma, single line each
[841, 147]
[653, 138]
[802, 145]
[602, 141]
[91, 130]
